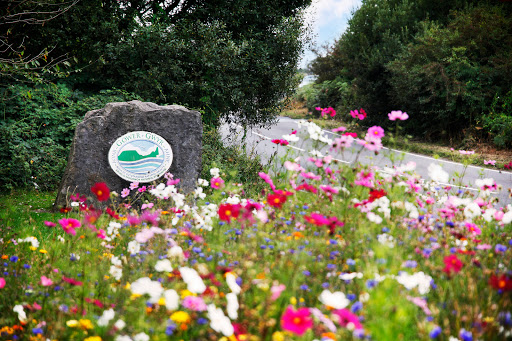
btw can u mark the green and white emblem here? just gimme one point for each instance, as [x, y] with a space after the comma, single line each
[140, 156]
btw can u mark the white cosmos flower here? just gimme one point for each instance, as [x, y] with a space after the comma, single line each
[133, 247]
[336, 299]
[472, 211]
[106, 317]
[350, 276]
[233, 285]
[120, 324]
[219, 322]
[22, 316]
[163, 265]
[116, 272]
[176, 252]
[291, 137]
[437, 173]
[215, 172]
[172, 300]
[145, 285]
[418, 279]
[202, 182]
[141, 337]
[194, 282]
[232, 307]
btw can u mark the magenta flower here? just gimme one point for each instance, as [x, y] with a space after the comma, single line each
[376, 132]
[267, 179]
[296, 321]
[49, 223]
[101, 234]
[217, 183]
[2, 282]
[194, 303]
[345, 317]
[72, 281]
[69, 225]
[361, 114]
[466, 152]
[344, 141]
[134, 185]
[490, 162]
[473, 229]
[329, 190]
[398, 115]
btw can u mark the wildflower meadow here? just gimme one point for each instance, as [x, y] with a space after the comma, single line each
[327, 251]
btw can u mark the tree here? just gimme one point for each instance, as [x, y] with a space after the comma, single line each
[232, 59]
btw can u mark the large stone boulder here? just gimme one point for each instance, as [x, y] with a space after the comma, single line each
[88, 161]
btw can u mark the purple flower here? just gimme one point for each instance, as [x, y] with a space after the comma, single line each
[500, 248]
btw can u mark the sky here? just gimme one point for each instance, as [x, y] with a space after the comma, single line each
[329, 20]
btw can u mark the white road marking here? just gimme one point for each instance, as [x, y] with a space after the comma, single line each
[430, 158]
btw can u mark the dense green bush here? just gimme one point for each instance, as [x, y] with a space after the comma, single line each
[37, 128]
[243, 165]
[498, 123]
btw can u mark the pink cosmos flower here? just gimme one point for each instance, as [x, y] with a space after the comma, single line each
[142, 189]
[281, 142]
[173, 182]
[133, 220]
[498, 215]
[149, 205]
[2, 282]
[473, 229]
[49, 223]
[344, 141]
[310, 175]
[217, 183]
[276, 291]
[101, 234]
[365, 178]
[336, 130]
[296, 321]
[490, 162]
[420, 302]
[292, 166]
[45, 281]
[466, 152]
[329, 190]
[398, 115]
[134, 185]
[361, 114]
[376, 132]
[317, 162]
[344, 317]
[125, 192]
[72, 281]
[370, 143]
[69, 225]
[194, 303]
[267, 179]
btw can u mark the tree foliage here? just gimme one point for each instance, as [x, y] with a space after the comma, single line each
[440, 61]
[232, 59]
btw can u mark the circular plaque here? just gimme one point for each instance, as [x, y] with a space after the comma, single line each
[140, 156]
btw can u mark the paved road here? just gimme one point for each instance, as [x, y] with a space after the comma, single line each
[259, 141]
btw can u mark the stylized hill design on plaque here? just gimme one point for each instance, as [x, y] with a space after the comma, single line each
[133, 155]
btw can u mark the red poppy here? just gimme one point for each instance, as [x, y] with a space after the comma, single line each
[502, 282]
[376, 194]
[228, 212]
[452, 263]
[112, 213]
[281, 142]
[276, 200]
[307, 187]
[101, 190]
[71, 281]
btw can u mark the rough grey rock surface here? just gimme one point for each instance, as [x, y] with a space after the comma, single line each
[88, 157]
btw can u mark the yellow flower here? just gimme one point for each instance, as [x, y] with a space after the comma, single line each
[185, 293]
[161, 301]
[293, 300]
[33, 248]
[85, 324]
[72, 323]
[180, 317]
[43, 251]
[278, 336]
[93, 338]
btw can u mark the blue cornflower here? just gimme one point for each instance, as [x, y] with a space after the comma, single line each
[410, 264]
[371, 283]
[169, 330]
[351, 297]
[26, 266]
[325, 285]
[465, 335]
[14, 259]
[202, 321]
[500, 248]
[356, 307]
[306, 273]
[350, 261]
[37, 331]
[435, 332]
[304, 287]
